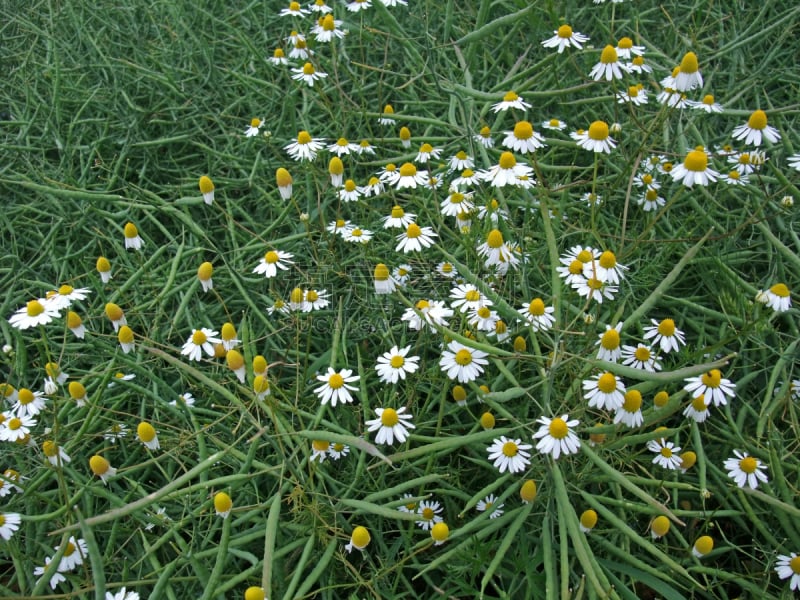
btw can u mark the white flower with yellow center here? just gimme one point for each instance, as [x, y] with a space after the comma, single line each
[694, 170]
[745, 470]
[201, 340]
[778, 297]
[707, 104]
[328, 29]
[460, 161]
[630, 413]
[626, 48]
[557, 437]
[635, 94]
[308, 74]
[410, 177]
[667, 454]
[415, 238]
[509, 172]
[688, 76]
[640, 357]
[609, 66]
[564, 37]
[483, 319]
[509, 455]
[427, 313]
[64, 296]
[429, 512]
[456, 203]
[15, 428]
[755, 129]
[511, 100]
[523, 138]
[427, 152]
[462, 363]
[665, 334]
[539, 316]
[596, 138]
[294, 10]
[74, 554]
[305, 148]
[272, 261]
[489, 504]
[604, 391]
[484, 137]
[398, 218]
[713, 386]
[466, 296]
[697, 409]
[9, 523]
[609, 343]
[390, 424]
[35, 312]
[28, 403]
[395, 364]
[336, 388]
[357, 5]
[788, 567]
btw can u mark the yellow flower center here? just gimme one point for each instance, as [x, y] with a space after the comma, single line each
[633, 401]
[780, 290]
[699, 403]
[14, 423]
[381, 272]
[303, 137]
[610, 339]
[204, 272]
[99, 465]
[660, 525]
[523, 130]
[472, 296]
[206, 185]
[487, 420]
[350, 185]
[666, 167]
[408, 170]
[130, 230]
[594, 284]
[328, 23]
[320, 445]
[234, 359]
[661, 399]
[609, 55]
[456, 198]
[794, 565]
[312, 296]
[125, 335]
[667, 328]
[397, 361]
[589, 519]
[113, 311]
[260, 384]
[494, 239]
[336, 166]
[413, 231]
[510, 97]
[650, 195]
[633, 91]
[440, 532]
[510, 449]
[712, 379]
[271, 257]
[696, 160]
[626, 43]
[461, 155]
[484, 312]
[528, 491]
[638, 61]
[146, 432]
[689, 63]
[388, 109]
[335, 381]
[222, 502]
[25, 396]
[426, 148]
[405, 134]
[459, 393]
[428, 513]
[199, 338]
[536, 307]
[565, 31]
[608, 260]
[283, 177]
[485, 132]
[607, 383]
[598, 130]
[50, 448]
[34, 308]
[463, 357]
[558, 428]
[422, 304]
[507, 160]
[757, 120]
[576, 267]
[666, 452]
[688, 460]
[389, 417]
[748, 464]
[520, 345]
[278, 53]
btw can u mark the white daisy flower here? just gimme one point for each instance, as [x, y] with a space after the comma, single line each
[201, 340]
[640, 357]
[667, 453]
[390, 424]
[712, 386]
[510, 100]
[557, 437]
[539, 316]
[430, 514]
[305, 148]
[272, 261]
[490, 504]
[788, 567]
[335, 388]
[665, 334]
[427, 313]
[35, 312]
[604, 391]
[395, 364]
[509, 455]
[415, 238]
[745, 470]
[564, 38]
[462, 362]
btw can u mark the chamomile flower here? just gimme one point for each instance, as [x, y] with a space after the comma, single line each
[665, 334]
[713, 386]
[539, 316]
[336, 388]
[272, 261]
[401, 274]
[294, 10]
[523, 138]
[300, 49]
[755, 129]
[640, 357]
[427, 152]
[596, 138]
[630, 413]
[308, 74]
[778, 297]
[16, 428]
[439, 533]
[147, 435]
[659, 527]
[319, 6]
[484, 137]
[465, 296]
[204, 272]
[336, 171]
[349, 192]
[261, 387]
[626, 48]
[564, 37]
[101, 467]
[384, 283]
[511, 100]
[328, 29]
[509, 455]
[74, 553]
[635, 94]
[609, 343]
[359, 539]
[427, 313]
[456, 203]
[429, 512]
[374, 187]
[358, 5]
[185, 399]
[697, 409]
[395, 364]
[207, 189]
[688, 76]
[447, 270]
[650, 200]
[315, 299]
[319, 450]
[604, 391]
[201, 340]
[415, 238]
[460, 161]
[123, 594]
[28, 403]
[338, 450]
[132, 237]
[342, 147]
[410, 177]
[278, 58]
[115, 432]
[588, 520]
[489, 504]
[339, 227]
[125, 338]
[694, 170]
[64, 296]
[637, 65]
[9, 523]
[222, 504]
[305, 148]
[609, 66]
[405, 137]
[667, 454]
[483, 319]
[55, 579]
[557, 437]
[387, 118]
[35, 312]
[103, 269]
[468, 178]
[788, 567]
[508, 172]
[554, 125]
[390, 424]
[461, 362]
[364, 147]
[745, 470]
[707, 104]
[594, 288]
[794, 161]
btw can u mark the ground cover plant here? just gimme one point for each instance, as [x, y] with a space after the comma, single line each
[374, 299]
